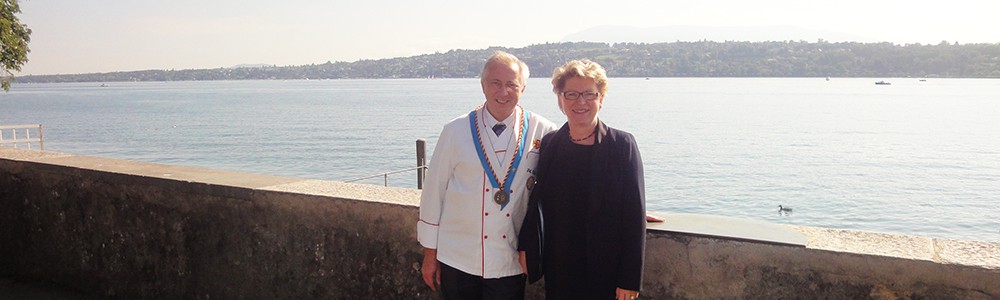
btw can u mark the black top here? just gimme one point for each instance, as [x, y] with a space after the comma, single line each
[564, 213]
[602, 247]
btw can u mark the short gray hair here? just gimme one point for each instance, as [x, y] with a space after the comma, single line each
[500, 57]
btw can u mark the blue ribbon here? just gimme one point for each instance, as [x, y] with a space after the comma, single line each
[482, 156]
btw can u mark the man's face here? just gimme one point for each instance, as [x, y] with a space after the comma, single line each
[502, 88]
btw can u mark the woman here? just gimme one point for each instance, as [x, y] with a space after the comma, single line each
[590, 194]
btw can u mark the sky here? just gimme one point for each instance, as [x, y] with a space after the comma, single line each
[73, 36]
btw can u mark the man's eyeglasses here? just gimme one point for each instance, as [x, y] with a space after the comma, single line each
[589, 96]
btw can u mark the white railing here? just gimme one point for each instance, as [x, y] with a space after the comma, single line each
[15, 135]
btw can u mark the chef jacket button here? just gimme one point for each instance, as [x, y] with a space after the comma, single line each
[485, 236]
[487, 213]
[505, 236]
[508, 215]
[487, 190]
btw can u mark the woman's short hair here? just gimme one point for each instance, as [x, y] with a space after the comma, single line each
[583, 68]
[504, 58]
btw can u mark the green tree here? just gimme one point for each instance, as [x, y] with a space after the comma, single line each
[14, 38]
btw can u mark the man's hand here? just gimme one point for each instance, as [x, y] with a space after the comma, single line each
[431, 269]
[523, 259]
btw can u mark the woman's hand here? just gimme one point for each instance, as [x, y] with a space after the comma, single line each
[623, 294]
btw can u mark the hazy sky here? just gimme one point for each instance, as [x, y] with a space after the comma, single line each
[73, 36]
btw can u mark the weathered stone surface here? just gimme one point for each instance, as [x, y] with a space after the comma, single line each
[872, 243]
[136, 230]
[354, 191]
[969, 253]
[137, 236]
[33, 290]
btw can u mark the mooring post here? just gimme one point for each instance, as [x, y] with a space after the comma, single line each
[41, 142]
[421, 162]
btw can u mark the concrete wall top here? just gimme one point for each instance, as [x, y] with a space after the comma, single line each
[218, 177]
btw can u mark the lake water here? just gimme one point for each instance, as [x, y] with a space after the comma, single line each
[915, 157]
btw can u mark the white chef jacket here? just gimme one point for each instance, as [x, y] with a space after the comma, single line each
[458, 216]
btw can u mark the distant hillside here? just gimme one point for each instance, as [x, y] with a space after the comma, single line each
[675, 59]
[674, 33]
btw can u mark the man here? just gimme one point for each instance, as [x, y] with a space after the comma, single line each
[476, 193]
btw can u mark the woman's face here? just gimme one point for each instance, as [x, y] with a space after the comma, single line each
[583, 109]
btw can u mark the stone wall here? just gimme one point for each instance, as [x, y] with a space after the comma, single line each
[137, 230]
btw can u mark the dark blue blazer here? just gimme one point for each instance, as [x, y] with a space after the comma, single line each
[616, 209]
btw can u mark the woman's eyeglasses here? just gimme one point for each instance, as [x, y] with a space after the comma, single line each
[589, 96]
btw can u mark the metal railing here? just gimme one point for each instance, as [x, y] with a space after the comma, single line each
[421, 167]
[25, 138]
[385, 175]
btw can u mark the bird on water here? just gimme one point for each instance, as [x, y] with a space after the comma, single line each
[784, 209]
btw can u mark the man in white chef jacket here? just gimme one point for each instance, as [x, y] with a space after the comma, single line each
[476, 191]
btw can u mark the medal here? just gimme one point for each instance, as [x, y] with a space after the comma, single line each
[501, 197]
[531, 183]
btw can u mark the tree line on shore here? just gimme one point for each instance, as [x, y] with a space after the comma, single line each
[674, 59]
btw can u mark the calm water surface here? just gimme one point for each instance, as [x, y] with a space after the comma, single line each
[919, 158]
